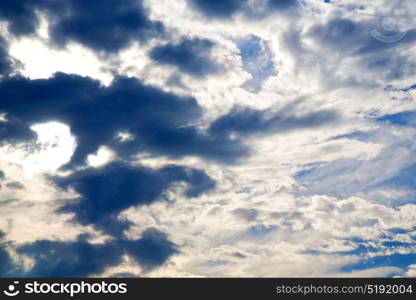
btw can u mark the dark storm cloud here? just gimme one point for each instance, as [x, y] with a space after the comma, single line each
[160, 122]
[151, 250]
[29, 101]
[81, 258]
[14, 131]
[103, 194]
[21, 15]
[70, 259]
[107, 25]
[107, 191]
[246, 121]
[192, 56]
[103, 25]
[5, 60]
[218, 8]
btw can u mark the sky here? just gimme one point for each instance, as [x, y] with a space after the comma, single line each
[196, 138]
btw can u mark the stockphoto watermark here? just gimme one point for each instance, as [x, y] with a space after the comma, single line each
[394, 22]
[64, 288]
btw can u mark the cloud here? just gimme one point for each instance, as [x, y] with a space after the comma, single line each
[152, 249]
[159, 122]
[14, 185]
[260, 128]
[341, 50]
[107, 26]
[362, 176]
[21, 15]
[191, 56]
[246, 121]
[105, 192]
[351, 41]
[69, 259]
[104, 25]
[246, 214]
[228, 8]
[81, 258]
[218, 8]
[352, 37]
[6, 63]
